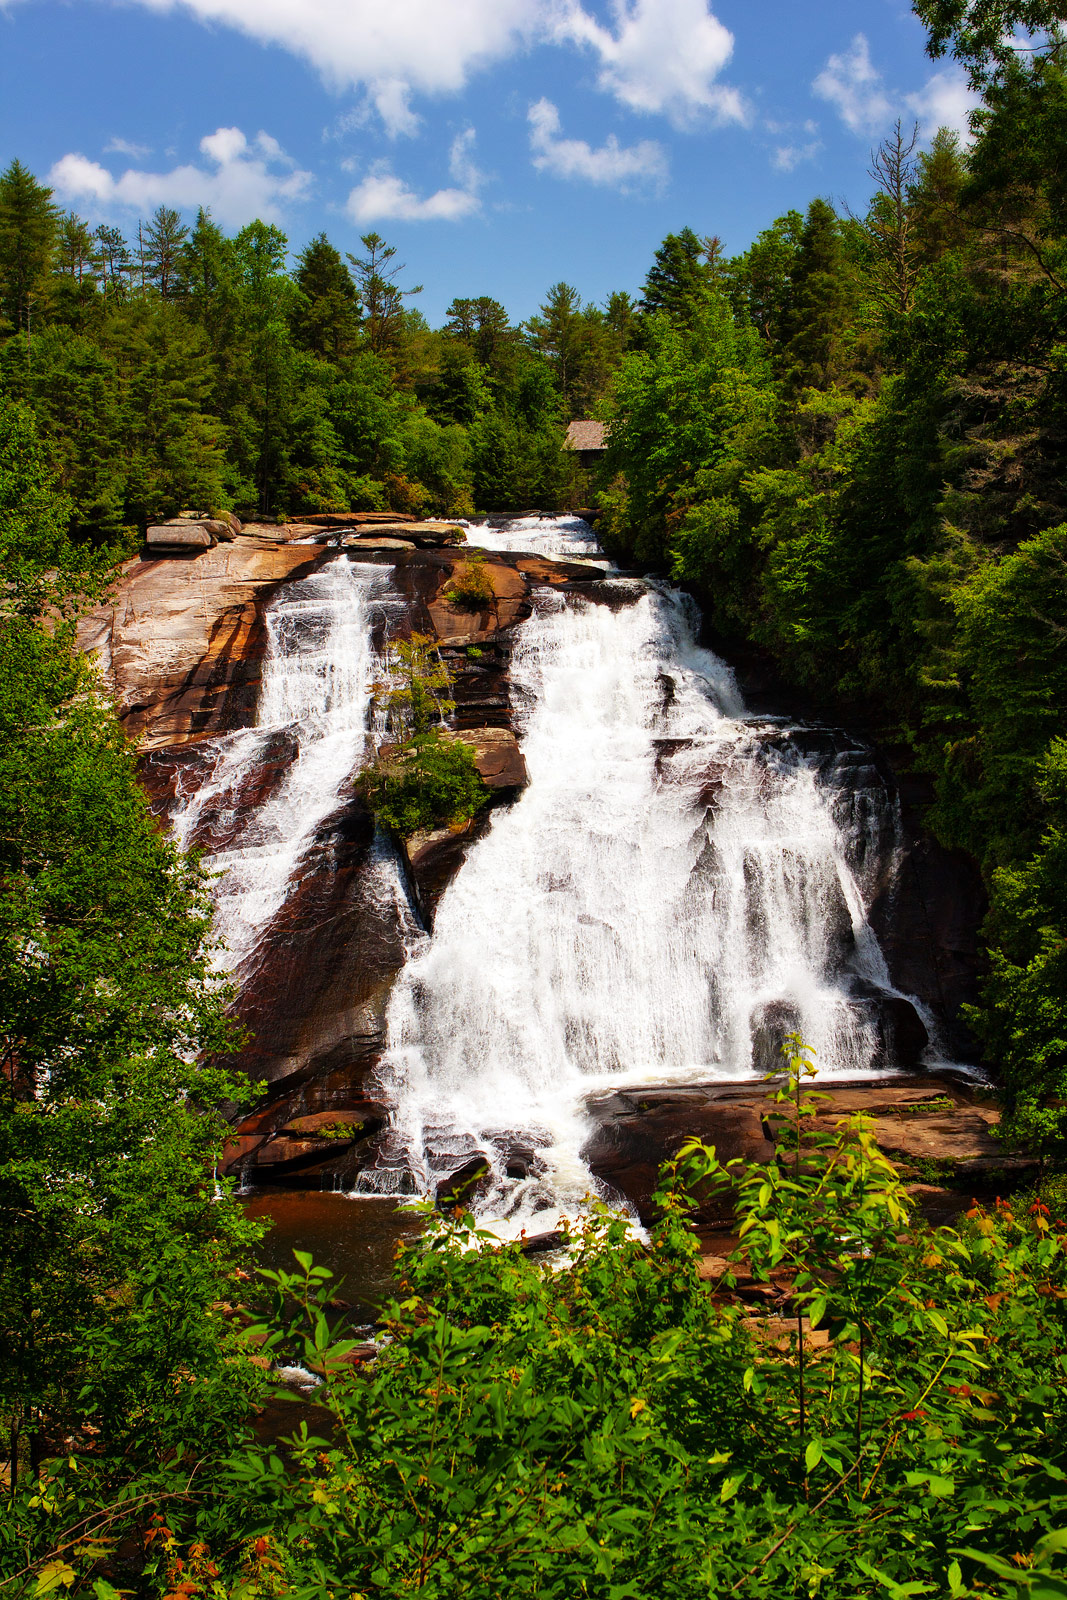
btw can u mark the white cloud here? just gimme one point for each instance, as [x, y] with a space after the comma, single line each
[389, 47]
[615, 165]
[123, 147]
[461, 162]
[853, 84]
[243, 183]
[945, 101]
[661, 56]
[787, 157]
[391, 98]
[382, 196]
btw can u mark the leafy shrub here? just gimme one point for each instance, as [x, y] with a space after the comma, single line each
[427, 785]
[619, 1430]
[471, 588]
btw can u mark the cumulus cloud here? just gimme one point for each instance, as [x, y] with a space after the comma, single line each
[389, 49]
[852, 83]
[787, 157]
[614, 165]
[243, 181]
[383, 197]
[660, 56]
[945, 101]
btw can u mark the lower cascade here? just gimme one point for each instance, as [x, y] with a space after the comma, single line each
[680, 885]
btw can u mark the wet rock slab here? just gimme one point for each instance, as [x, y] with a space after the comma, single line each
[938, 1130]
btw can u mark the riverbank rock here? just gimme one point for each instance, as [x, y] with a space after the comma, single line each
[938, 1130]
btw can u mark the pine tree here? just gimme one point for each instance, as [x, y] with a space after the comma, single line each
[935, 197]
[28, 223]
[115, 264]
[556, 334]
[327, 320]
[819, 302]
[78, 267]
[164, 237]
[679, 280]
[381, 299]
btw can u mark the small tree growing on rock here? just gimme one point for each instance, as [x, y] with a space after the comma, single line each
[423, 781]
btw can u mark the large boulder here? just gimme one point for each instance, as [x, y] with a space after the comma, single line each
[180, 535]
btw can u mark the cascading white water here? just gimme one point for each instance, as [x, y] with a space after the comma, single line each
[672, 881]
[316, 695]
[567, 538]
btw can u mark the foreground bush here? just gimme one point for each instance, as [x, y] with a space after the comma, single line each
[617, 1430]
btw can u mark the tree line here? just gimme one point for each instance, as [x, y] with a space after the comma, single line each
[182, 366]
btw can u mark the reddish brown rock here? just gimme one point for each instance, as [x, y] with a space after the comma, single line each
[181, 645]
[500, 762]
[930, 1123]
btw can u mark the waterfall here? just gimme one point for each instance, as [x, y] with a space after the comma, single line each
[679, 884]
[315, 698]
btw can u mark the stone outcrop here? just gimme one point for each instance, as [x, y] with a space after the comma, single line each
[182, 645]
[938, 1130]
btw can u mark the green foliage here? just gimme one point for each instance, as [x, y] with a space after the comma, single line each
[433, 784]
[424, 781]
[609, 1425]
[116, 1243]
[470, 588]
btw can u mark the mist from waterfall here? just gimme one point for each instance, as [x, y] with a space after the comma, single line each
[314, 708]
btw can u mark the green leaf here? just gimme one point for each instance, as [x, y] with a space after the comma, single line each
[813, 1455]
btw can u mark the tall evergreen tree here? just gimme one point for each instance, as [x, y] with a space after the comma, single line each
[819, 301]
[679, 279]
[114, 255]
[28, 224]
[556, 333]
[381, 299]
[326, 321]
[163, 239]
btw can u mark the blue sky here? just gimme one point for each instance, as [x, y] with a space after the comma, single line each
[501, 144]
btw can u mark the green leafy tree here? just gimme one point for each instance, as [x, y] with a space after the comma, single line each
[114, 1239]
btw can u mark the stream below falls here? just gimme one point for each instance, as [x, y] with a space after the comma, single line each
[679, 884]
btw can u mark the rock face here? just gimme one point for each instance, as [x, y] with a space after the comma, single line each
[937, 1128]
[182, 646]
